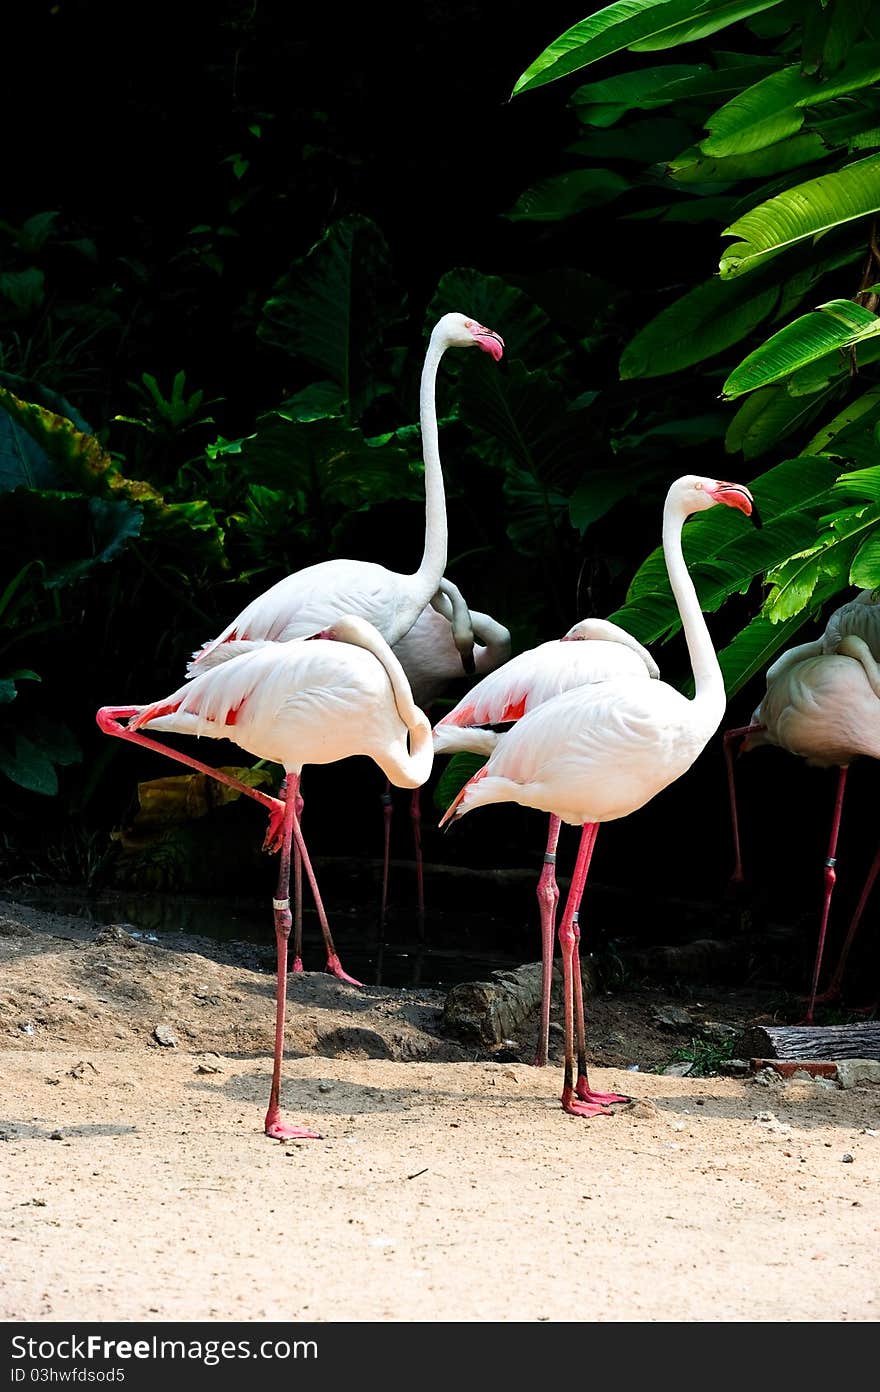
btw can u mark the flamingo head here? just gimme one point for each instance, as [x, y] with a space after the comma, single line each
[695, 494]
[458, 331]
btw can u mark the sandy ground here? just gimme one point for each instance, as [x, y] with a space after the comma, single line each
[136, 1183]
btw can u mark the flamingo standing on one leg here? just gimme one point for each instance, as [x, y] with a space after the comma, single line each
[598, 752]
[430, 658]
[296, 703]
[317, 595]
[593, 650]
[821, 703]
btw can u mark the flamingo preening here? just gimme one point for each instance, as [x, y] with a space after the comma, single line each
[593, 650]
[822, 703]
[430, 655]
[314, 597]
[295, 703]
[598, 752]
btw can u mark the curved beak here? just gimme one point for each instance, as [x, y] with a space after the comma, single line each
[738, 496]
[491, 343]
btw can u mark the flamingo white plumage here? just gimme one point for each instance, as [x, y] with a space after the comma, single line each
[598, 752]
[311, 598]
[822, 703]
[593, 650]
[295, 703]
[430, 656]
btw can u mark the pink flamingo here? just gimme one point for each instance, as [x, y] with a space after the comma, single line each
[295, 703]
[430, 656]
[598, 752]
[311, 598]
[821, 703]
[593, 650]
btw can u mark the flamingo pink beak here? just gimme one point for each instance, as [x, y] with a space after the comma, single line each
[736, 495]
[490, 342]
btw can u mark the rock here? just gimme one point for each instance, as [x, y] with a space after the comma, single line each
[56, 1136]
[113, 933]
[767, 1077]
[164, 1035]
[847, 1159]
[851, 1072]
[672, 1017]
[716, 1032]
[209, 1064]
[735, 1068]
[490, 1011]
[680, 1069]
[27, 1026]
[325, 1087]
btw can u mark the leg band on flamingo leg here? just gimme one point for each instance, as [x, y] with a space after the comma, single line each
[548, 899]
[830, 881]
[275, 1127]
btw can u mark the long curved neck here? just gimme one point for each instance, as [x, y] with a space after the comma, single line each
[494, 640]
[430, 572]
[363, 635]
[708, 681]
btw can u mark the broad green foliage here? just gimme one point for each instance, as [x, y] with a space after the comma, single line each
[782, 153]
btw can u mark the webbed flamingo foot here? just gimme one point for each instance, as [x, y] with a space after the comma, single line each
[582, 1109]
[600, 1099]
[335, 968]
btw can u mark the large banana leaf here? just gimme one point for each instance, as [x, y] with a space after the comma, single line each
[860, 415]
[602, 103]
[563, 195]
[704, 322]
[333, 308]
[770, 415]
[755, 646]
[834, 325]
[635, 24]
[796, 580]
[774, 108]
[800, 212]
[694, 168]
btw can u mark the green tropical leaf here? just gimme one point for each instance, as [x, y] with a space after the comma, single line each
[770, 415]
[603, 103]
[651, 141]
[807, 339]
[642, 24]
[25, 764]
[755, 646]
[796, 580]
[111, 525]
[865, 568]
[333, 308]
[458, 771]
[863, 411]
[701, 324]
[694, 168]
[802, 211]
[563, 195]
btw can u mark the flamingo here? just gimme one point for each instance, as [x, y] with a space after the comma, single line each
[821, 703]
[430, 656]
[311, 598]
[594, 650]
[295, 703]
[596, 753]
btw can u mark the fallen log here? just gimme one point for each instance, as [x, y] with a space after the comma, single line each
[860, 1041]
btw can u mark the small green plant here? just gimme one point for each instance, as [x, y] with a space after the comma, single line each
[704, 1055]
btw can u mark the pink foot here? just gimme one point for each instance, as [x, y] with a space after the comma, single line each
[297, 967]
[275, 830]
[334, 967]
[582, 1109]
[601, 1099]
[276, 1130]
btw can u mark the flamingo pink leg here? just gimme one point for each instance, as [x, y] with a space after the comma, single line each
[582, 1088]
[291, 784]
[830, 880]
[567, 942]
[833, 991]
[729, 737]
[387, 814]
[108, 719]
[275, 1127]
[548, 898]
[415, 812]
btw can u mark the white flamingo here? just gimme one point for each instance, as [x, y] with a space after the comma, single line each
[598, 752]
[822, 703]
[593, 650]
[431, 658]
[310, 599]
[295, 703]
